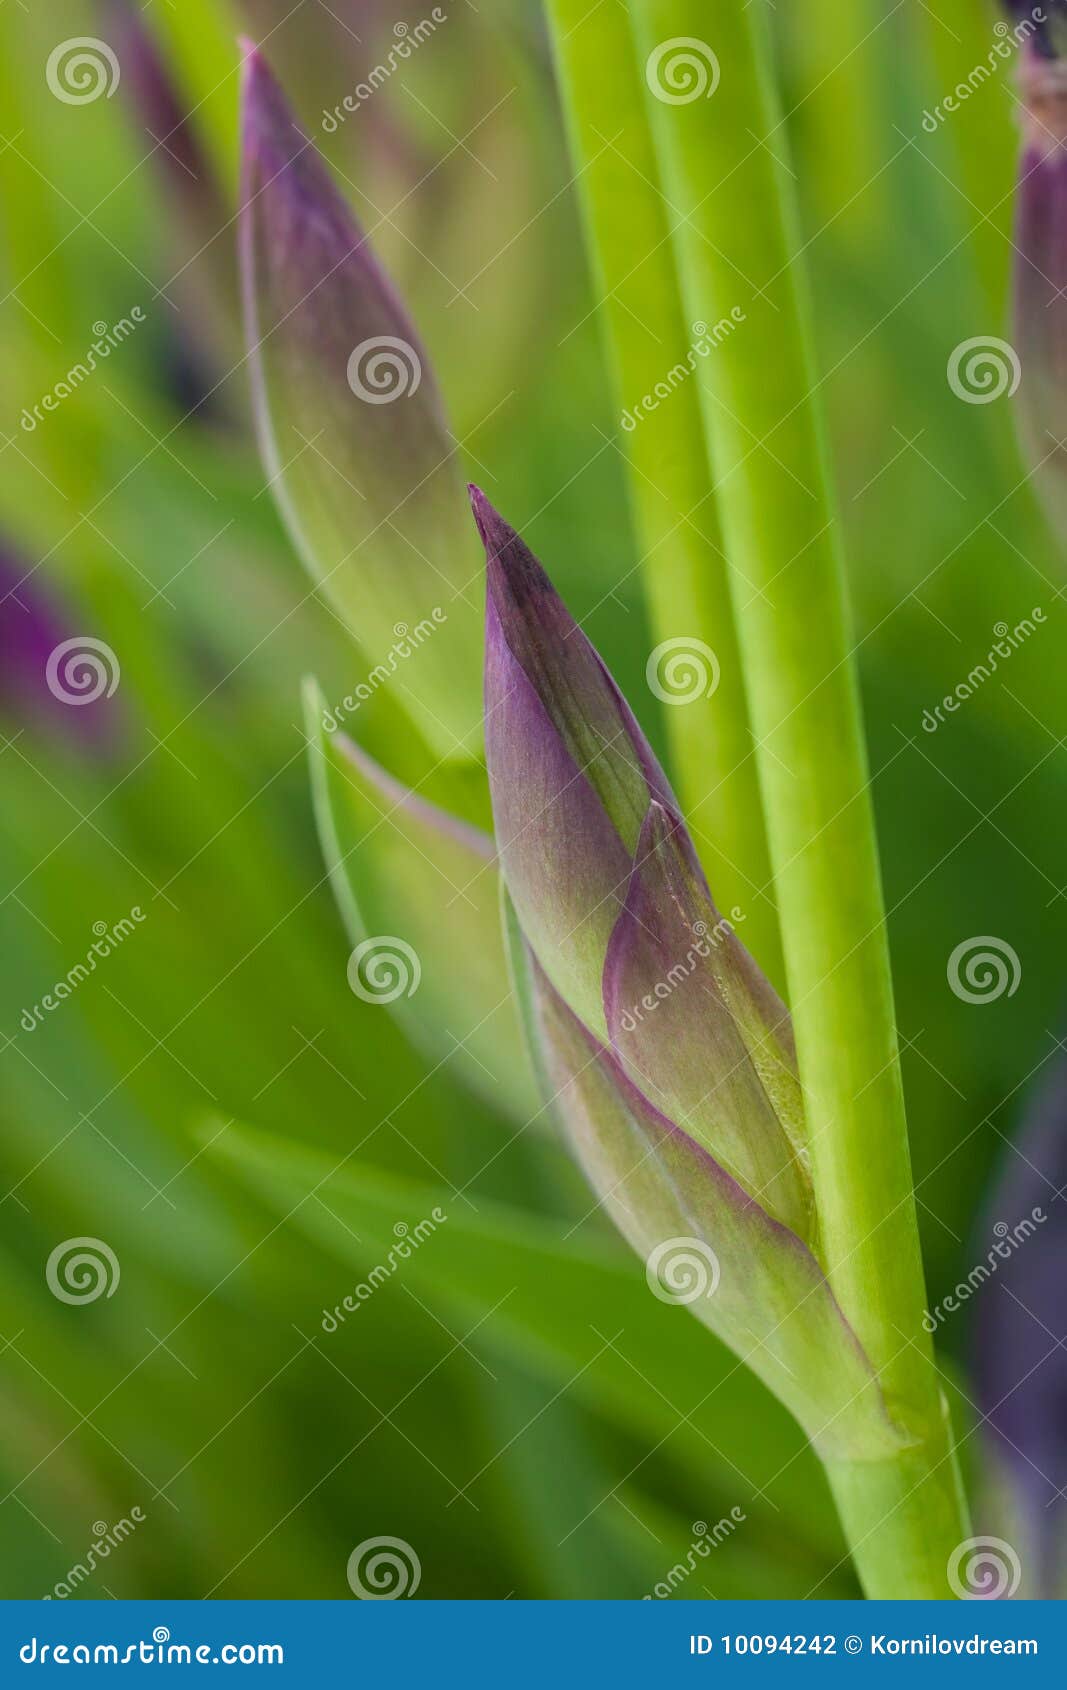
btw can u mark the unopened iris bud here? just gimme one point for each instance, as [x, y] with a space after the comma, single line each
[202, 285]
[668, 1057]
[352, 426]
[570, 772]
[610, 895]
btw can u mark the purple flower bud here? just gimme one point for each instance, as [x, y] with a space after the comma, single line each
[698, 1028]
[202, 274]
[570, 772]
[352, 426]
[152, 93]
[610, 896]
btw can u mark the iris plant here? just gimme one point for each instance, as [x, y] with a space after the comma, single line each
[755, 1158]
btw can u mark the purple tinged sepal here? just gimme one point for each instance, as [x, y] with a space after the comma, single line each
[352, 427]
[610, 896]
[419, 894]
[698, 1029]
[570, 772]
[706, 1243]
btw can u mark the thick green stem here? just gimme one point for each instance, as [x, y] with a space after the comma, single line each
[655, 351]
[731, 200]
[902, 1518]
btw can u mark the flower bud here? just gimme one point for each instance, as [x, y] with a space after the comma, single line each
[351, 423]
[611, 898]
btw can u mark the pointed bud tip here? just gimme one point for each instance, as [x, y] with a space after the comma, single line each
[515, 577]
[269, 122]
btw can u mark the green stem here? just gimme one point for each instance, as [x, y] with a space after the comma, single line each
[737, 246]
[902, 1518]
[649, 337]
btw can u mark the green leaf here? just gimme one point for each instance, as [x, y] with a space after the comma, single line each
[426, 886]
[576, 1314]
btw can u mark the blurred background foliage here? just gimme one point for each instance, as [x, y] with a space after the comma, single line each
[214, 1102]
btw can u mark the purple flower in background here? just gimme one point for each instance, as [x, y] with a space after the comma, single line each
[49, 676]
[203, 338]
[1021, 1336]
[1040, 284]
[1044, 25]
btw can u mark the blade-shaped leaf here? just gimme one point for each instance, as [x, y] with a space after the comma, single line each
[576, 1314]
[409, 878]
